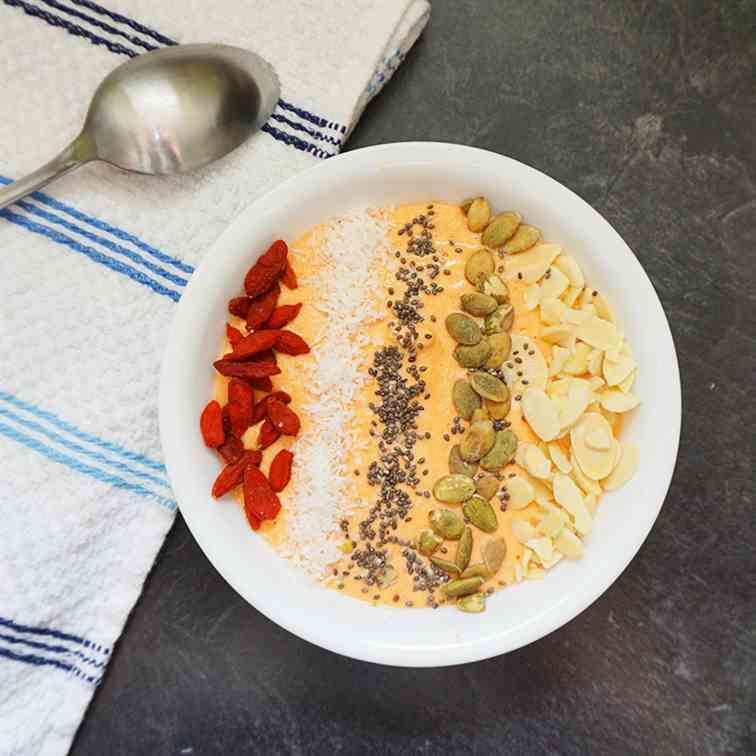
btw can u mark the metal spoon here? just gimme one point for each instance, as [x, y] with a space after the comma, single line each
[167, 111]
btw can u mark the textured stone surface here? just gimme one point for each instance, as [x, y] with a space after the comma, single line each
[648, 110]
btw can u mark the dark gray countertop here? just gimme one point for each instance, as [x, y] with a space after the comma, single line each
[647, 110]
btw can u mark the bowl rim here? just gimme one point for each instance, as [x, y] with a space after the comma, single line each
[372, 158]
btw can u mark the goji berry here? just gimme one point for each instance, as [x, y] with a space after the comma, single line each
[289, 342]
[267, 270]
[283, 419]
[241, 401]
[231, 449]
[280, 470]
[238, 306]
[268, 434]
[231, 475]
[259, 497]
[268, 355]
[282, 315]
[261, 308]
[251, 345]
[247, 370]
[211, 425]
[260, 411]
[226, 421]
[282, 396]
[234, 335]
[263, 384]
[253, 521]
[289, 277]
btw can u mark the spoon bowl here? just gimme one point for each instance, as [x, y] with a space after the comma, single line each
[168, 111]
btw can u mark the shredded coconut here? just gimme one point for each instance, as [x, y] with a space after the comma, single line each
[350, 248]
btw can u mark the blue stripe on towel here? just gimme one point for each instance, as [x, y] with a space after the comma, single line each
[73, 29]
[74, 447]
[91, 253]
[135, 25]
[312, 118]
[78, 466]
[52, 633]
[101, 24]
[40, 661]
[119, 233]
[312, 132]
[81, 435]
[294, 141]
[54, 649]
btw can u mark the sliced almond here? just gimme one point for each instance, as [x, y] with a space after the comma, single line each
[535, 462]
[552, 310]
[571, 295]
[569, 266]
[599, 438]
[559, 458]
[574, 317]
[596, 383]
[595, 362]
[597, 332]
[540, 414]
[520, 491]
[523, 531]
[520, 455]
[559, 355]
[616, 371]
[616, 400]
[569, 496]
[577, 364]
[531, 265]
[552, 523]
[594, 297]
[532, 365]
[558, 334]
[555, 559]
[588, 309]
[591, 503]
[627, 384]
[543, 495]
[625, 469]
[589, 486]
[532, 296]
[543, 547]
[595, 464]
[554, 283]
[578, 397]
[615, 354]
[559, 387]
[569, 544]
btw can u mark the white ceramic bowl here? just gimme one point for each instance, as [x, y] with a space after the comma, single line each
[380, 176]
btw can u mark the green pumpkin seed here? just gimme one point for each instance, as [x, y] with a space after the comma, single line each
[479, 414]
[462, 587]
[478, 441]
[486, 486]
[475, 603]
[464, 206]
[476, 570]
[428, 542]
[459, 466]
[494, 554]
[463, 329]
[499, 410]
[387, 577]
[478, 304]
[481, 514]
[480, 263]
[493, 286]
[524, 238]
[489, 387]
[501, 229]
[447, 524]
[453, 489]
[473, 356]
[445, 565]
[501, 319]
[501, 345]
[502, 452]
[464, 550]
[464, 399]
[478, 214]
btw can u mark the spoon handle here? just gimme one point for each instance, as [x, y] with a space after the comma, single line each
[72, 157]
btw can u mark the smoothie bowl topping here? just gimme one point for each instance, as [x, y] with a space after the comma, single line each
[428, 409]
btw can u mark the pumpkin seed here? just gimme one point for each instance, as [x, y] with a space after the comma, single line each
[464, 399]
[481, 514]
[475, 603]
[480, 263]
[464, 550]
[493, 286]
[478, 441]
[464, 206]
[486, 486]
[459, 466]
[501, 229]
[478, 214]
[494, 553]
[479, 414]
[489, 387]
[476, 570]
[462, 587]
[428, 542]
[501, 319]
[499, 410]
[447, 524]
[501, 345]
[445, 565]
[524, 238]
[502, 452]
[453, 489]
[478, 304]
[463, 329]
[473, 356]
[387, 577]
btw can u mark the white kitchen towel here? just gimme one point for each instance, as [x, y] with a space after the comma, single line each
[90, 272]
